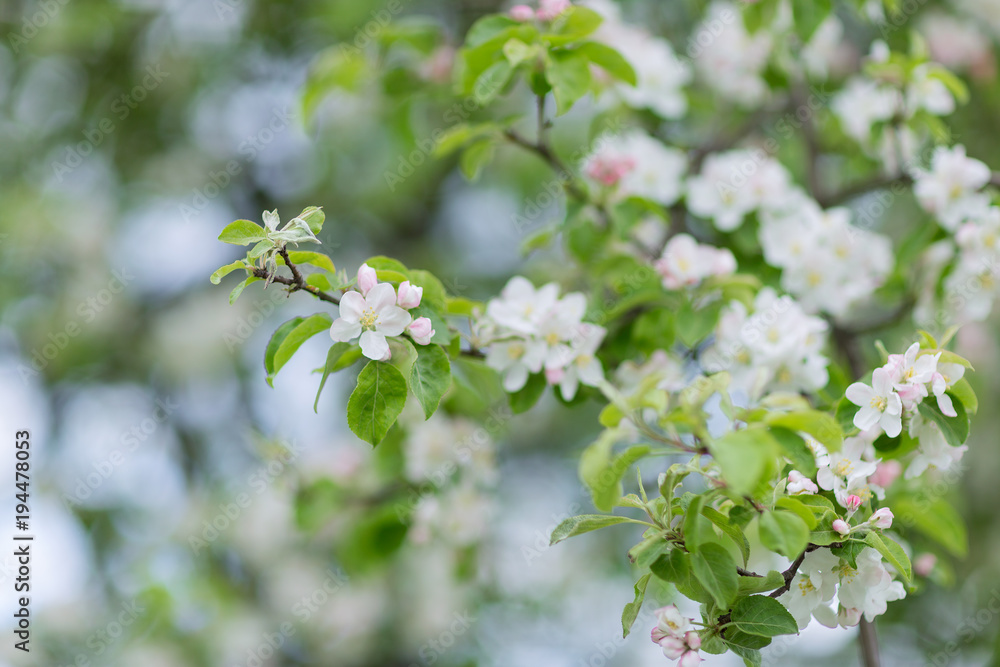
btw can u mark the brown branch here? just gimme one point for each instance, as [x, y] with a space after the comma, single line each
[790, 573]
[868, 640]
[861, 188]
[296, 282]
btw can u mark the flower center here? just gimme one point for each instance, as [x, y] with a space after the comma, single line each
[806, 586]
[368, 319]
[879, 403]
[515, 351]
[843, 468]
[552, 338]
[583, 360]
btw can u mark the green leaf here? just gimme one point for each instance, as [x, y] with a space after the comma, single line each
[525, 398]
[784, 533]
[764, 616]
[585, 523]
[694, 325]
[715, 569]
[729, 529]
[893, 553]
[242, 232]
[936, 519]
[695, 528]
[489, 27]
[954, 429]
[603, 473]
[745, 457]
[798, 508]
[573, 25]
[819, 425]
[609, 60]
[376, 402]
[672, 567]
[277, 338]
[962, 391]
[235, 294]
[849, 551]
[430, 377]
[631, 610]
[224, 271]
[516, 51]
[569, 74]
[493, 79]
[794, 448]
[769, 582]
[309, 257]
[475, 157]
[341, 355]
[845, 416]
[314, 217]
[294, 339]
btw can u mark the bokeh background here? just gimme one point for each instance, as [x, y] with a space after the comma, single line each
[185, 512]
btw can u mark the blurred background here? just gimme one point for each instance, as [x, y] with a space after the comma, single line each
[185, 512]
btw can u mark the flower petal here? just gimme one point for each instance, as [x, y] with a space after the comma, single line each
[352, 305]
[946, 406]
[374, 345]
[866, 418]
[392, 320]
[859, 393]
[343, 331]
[381, 297]
[515, 378]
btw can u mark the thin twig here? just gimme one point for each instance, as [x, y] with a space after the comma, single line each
[864, 187]
[868, 639]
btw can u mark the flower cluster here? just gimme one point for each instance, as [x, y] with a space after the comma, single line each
[529, 330]
[636, 164]
[376, 311]
[949, 190]
[735, 183]
[685, 262]
[827, 263]
[861, 591]
[777, 347]
[733, 63]
[674, 635]
[660, 75]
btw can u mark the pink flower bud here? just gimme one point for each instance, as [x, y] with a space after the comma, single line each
[852, 503]
[673, 647]
[409, 295]
[522, 13]
[657, 635]
[554, 375]
[886, 473]
[841, 527]
[608, 170]
[924, 564]
[420, 331]
[799, 483]
[549, 9]
[692, 639]
[882, 518]
[367, 279]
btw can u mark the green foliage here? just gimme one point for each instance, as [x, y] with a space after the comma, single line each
[631, 610]
[585, 523]
[430, 377]
[242, 232]
[784, 533]
[764, 616]
[955, 429]
[715, 569]
[376, 402]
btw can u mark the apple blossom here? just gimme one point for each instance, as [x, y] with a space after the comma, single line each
[880, 404]
[881, 518]
[841, 526]
[799, 483]
[516, 360]
[685, 262]
[408, 295]
[372, 317]
[670, 622]
[814, 585]
[868, 587]
[886, 473]
[550, 9]
[638, 165]
[945, 376]
[952, 182]
[583, 367]
[522, 13]
[421, 331]
[732, 64]
[367, 279]
[852, 503]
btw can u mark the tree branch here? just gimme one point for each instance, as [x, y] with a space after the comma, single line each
[297, 283]
[861, 188]
[868, 639]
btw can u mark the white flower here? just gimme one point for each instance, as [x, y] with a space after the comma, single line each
[928, 93]
[944, 377]
[685, 262]
[860, 104]
[949, 189]
[515, 360]
[521, 307]
[934, 450]
[882, 518]
[879, 403]
[640, 166]
[373, 317]
[910, 374]
[733, 61]
[813, 586]
[577, 363]
[734, 183]
[869, 587]
[670, 622]
[844, 472]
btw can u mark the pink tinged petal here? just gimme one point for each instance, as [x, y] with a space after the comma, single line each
[392, 320]
[946, 406]
[380, 297]
[343, 331]
[866, 418]
[367, 278]
[515, 378]
[860, 394]
[894, 406]
[673, 647]
[421, 331]
[352, 305]
[841, 527]
[690, 659]
[373, 345]
[409, 295]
